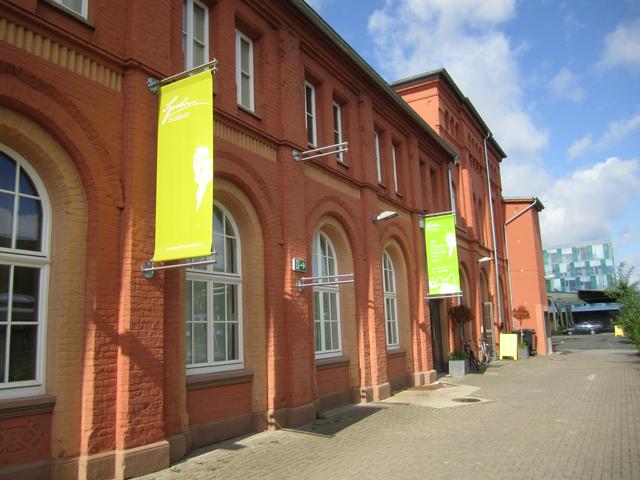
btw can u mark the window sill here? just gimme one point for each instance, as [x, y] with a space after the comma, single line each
[331, 362]
[343, 164]
[22, 407]
[76, 16]
[400, 195]
[244, 109]
[218, 379]
[394, 352]
[382, 185]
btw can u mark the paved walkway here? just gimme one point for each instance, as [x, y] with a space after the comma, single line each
[573, 415]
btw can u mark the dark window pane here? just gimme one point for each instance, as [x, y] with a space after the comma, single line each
[219, 314]
[29, 224]
[232, 341]
[7, 173]
[218, 246]
[6, 219]
[22, 353]
[219, 340]
[26, 185]
[231, 256]
[198, 23]
[5, 271]
[200, 343]
[3, 358]
[25, 294]
[218, 221]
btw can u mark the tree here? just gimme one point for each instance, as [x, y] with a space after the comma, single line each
[626, 292]
[521, 313]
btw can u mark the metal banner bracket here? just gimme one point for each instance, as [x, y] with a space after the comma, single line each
[153, 84]
[323, 281]
[299, 156]
[149, 268]
[437, 297]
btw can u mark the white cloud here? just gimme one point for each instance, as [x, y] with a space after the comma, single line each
[616, 131]
[584, 205]
[414, 36]
[622, 47]
[580, 146]
[565, 85]
[619, 129]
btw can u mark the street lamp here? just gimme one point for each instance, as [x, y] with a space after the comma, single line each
[387, 214]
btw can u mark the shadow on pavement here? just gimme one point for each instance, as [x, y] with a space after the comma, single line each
[334, 421]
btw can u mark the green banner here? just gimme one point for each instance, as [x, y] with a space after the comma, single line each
[184, 184]
[442, 255]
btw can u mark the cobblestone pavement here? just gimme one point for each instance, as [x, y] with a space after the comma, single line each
[573, 415]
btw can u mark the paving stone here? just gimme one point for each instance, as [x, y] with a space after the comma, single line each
[574, 415]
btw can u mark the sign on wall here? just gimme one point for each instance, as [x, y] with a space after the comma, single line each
[184, 184]
[442, 254]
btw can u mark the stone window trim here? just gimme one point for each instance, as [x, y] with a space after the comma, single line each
[310, 114]
[219, 379]
[394, 352]
[189, 33]
[26, 406]
[332, 362]
[248, 75]
[13, 257]
[82, 17]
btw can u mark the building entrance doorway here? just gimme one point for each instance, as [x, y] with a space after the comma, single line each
[437, 337]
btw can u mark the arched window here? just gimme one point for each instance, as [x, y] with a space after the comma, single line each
[390, 301]
[24, 274]
[214, 301]
[326, 299]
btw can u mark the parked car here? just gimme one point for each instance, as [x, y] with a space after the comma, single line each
[585, 327]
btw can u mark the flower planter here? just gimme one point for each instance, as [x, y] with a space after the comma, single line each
[523, 353]
[458, 368]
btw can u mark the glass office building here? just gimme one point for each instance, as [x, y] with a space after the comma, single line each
[588, 266]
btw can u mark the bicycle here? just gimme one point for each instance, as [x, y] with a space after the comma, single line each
[473, 360]
[484, 357]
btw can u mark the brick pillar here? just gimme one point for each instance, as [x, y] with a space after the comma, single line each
[291, 354]
[140, 444]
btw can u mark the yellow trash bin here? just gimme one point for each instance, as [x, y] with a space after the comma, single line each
[618, 331]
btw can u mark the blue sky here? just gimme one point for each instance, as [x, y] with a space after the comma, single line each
[558, 83]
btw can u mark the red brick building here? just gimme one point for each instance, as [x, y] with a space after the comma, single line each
[436, 97]
[107, 374]
[526, 266]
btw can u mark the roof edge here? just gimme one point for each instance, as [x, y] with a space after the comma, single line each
[442, 72]
[538, 204]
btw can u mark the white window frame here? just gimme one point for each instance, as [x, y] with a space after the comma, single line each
[211, 277]
[390, 296]
[84, 8]
[240, 37]
[378, 159]
[310, 112]
[337, 129]
[395, 170]
[33, 259]
[331, 290]
[188, 52]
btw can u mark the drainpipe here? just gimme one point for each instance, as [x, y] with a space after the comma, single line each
[495, 246]
[452, 198]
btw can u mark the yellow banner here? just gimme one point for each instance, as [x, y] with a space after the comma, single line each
[184, 184]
